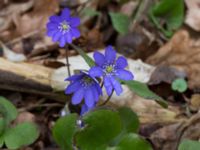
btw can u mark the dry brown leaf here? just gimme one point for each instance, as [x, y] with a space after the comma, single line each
[16, 19]
[195, 102]
[193, 14]
[183, 53]
[36, 19]
[129, 7]
[25, 117]
[169, 137]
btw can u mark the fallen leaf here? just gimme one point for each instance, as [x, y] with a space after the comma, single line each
[183, 53]
[193, 14]
[9, 16]
[170, 136]
[129, 7]
[12, 56]
[23, 18]
[36, 19]
[195, 102]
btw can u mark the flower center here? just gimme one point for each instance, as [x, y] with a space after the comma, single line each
[64, 27]
[87, 81]
[109, 69]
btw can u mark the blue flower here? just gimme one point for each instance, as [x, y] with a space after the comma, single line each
[111, 70]
[84, 87]
[63, 28]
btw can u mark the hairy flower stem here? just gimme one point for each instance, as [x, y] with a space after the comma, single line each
[107, 100]
[67, 60]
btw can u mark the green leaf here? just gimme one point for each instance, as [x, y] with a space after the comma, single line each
[64, 130]
[129, 119]
[101, 126]
[120, 22]
[2, 125]
[130, 122]
[170, 11]
[90, 12]
[142, 90]
[21, 135]
[87, 59]
[179, 85]
[1, 140]
[132, 142]
[8, 110]
[189, 145]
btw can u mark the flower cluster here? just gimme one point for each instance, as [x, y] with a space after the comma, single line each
[85, 86]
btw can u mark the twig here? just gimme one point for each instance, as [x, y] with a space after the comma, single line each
[40, 105]
[139, 10]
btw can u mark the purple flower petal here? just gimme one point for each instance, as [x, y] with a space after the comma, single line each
[99, 90]
[75, 32]
[99, 58]
[74, 21]
[95, 93]
[89, 98]
[57, 36]
[84, 109]
[116, 85]
[121, 62]
[74, 77]
[65, 13]
[124, 74]
[108, 85]
[78, 96]
[51, 32]
[55, 19]
[110, 54]
[72, 87]
[62, 41]
[95, 72]
[52, 26]
[68, 37]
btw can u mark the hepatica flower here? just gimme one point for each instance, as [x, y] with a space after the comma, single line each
[63, 28]
[111, 69]
[83, 86]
